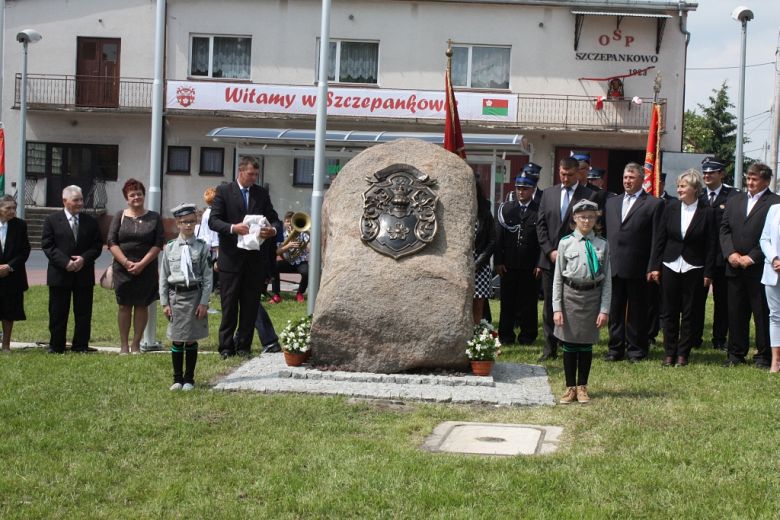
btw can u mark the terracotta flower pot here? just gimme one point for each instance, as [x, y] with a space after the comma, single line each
[481, 368]
[294, 359]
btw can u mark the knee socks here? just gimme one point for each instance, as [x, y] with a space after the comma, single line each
[576, 367]
[192, 358]
[177, 358]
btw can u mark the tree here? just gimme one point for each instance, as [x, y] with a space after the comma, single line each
[713, 132]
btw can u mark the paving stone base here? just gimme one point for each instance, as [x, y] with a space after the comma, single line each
[511, 384]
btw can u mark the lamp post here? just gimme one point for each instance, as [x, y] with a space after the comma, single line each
[25, 37]
[743, 15]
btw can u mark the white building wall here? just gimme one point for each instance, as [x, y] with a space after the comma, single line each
[412, 35]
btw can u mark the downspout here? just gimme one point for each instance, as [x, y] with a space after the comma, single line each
[683, 15]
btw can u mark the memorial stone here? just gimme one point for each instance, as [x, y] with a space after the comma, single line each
[404, 302]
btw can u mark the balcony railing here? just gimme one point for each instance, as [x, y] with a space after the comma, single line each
[64, 92]
[580, 112]
[534, 111]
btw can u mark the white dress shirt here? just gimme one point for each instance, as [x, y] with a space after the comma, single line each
[687, 211]
[752, 199]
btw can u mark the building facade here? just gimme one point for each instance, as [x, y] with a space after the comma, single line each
[563, 75]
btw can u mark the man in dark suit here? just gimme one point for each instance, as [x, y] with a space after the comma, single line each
[633, 220]
[71, 241]
[14, 251]
[740, 231]
[553, 223]
[242, 272]
[515, 258]
[717, 196]
[583, 177]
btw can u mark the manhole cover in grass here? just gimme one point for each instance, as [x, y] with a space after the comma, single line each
[493, 439]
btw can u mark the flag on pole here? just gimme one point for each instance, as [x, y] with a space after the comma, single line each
[453, 134]
[2, 161]
[651, 182]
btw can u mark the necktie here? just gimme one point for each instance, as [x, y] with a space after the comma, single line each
[565, 205]
[245, 192]
[75, 228]
[626, 205]
[2, 237]
[712, 198]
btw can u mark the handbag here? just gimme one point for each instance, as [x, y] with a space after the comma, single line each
[107, 278]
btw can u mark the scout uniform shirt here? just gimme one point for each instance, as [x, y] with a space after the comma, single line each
[184, 285]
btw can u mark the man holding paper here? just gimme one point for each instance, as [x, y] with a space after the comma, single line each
[242, 271]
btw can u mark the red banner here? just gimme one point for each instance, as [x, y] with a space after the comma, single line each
[652, 183]
[453, 134]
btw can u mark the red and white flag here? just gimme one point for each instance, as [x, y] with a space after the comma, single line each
[651, 182]
[453, 134]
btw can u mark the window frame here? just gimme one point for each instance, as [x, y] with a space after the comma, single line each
[337, 61]
[203, 173]
[169, 170]
[210, 76]
[328, 178]
[470, 63]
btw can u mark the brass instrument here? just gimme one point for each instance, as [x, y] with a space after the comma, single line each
[299, 223]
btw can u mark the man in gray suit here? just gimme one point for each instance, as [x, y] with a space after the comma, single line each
[553, 223]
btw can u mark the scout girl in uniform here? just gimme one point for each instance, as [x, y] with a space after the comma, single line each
[582, 289]
[185, 286]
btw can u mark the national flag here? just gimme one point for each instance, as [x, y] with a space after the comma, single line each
[495, 107]
[2, 161]
[453, 134]
[651, 182]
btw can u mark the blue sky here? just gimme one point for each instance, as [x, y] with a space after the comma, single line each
[715, 42]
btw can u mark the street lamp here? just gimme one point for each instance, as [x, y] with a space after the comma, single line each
[743, 15]
[25, 37]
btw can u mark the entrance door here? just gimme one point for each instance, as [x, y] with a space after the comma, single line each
[97, 72]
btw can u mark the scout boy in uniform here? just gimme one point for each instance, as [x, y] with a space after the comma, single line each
[185, 286]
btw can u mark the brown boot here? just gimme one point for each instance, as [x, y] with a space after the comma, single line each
[570, 396]
[582, 394]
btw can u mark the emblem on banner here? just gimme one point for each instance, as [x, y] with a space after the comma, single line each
[185, 96]
[399, 211]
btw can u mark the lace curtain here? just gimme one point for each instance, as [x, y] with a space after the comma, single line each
[489, 67]
[231, 57]
[359, 62]
[212, 160]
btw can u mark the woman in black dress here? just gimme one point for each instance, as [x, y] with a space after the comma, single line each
[484, 244]
[135, 239]
[14, 251]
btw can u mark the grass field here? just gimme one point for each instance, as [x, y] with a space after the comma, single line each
[100, 436]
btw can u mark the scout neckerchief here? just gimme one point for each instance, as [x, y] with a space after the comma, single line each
[185, 263]
[593, 260]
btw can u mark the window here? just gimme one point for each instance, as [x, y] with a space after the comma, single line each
[351, 61]
[476, 66]
[96, 161]
[212, 161]
[221, 57]
[179, 160]
[303, 171]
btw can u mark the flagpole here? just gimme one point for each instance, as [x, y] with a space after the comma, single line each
[657, 107]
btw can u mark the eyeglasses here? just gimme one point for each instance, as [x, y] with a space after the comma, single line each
[585, 219]
[188, 222]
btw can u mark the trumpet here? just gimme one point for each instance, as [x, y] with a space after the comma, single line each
[299, 223]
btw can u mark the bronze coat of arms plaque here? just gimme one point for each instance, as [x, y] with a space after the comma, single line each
[399, 211]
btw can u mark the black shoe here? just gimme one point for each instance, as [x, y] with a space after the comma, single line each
[273, 347]
[244, 353]
[717, 345]
[54, 351]
[507, 341]
[546, 356]
[763, 365]
[613, 357]
[733, 362]
[224, 354]
[526, 341]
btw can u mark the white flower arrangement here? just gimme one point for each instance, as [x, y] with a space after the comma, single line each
[296, 336]
[484, 345]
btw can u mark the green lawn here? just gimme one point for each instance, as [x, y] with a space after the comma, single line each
[100, 436]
